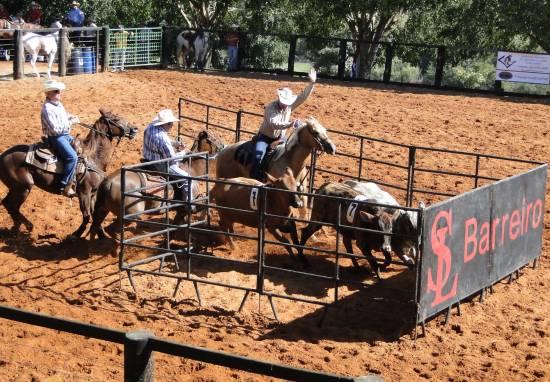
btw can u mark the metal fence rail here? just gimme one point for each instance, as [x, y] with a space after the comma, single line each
[139, 347]
[134, 47]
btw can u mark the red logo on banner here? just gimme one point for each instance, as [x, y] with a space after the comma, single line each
[444, 259]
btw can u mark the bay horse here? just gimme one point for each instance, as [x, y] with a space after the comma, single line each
[236, 161]
[97, 149]
[109, 196]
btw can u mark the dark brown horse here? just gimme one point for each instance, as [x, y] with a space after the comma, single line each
[109, 196]
[97, 149]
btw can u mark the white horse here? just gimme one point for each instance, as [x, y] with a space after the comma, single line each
[198, 42]
[35, 43]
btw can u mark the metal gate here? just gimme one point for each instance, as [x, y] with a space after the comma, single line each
[134, 47]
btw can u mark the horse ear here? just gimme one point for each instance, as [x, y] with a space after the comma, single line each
[105, 112]
[366, 217]
[203, 134]
[270, 178]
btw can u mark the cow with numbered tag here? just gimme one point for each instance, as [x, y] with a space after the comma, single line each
[245, 194]
[356, 211]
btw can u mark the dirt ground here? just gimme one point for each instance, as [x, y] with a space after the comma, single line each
[505, 338]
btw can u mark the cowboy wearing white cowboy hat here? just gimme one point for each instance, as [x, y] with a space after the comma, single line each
[277, 120]
[75, 17]
[56, 125]
[157, 145]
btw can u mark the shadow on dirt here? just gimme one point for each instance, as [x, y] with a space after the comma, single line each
[381, 312]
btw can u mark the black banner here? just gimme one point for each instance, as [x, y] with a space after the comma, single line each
[477, 238]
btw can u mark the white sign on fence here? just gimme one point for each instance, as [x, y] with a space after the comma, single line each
[523, 67]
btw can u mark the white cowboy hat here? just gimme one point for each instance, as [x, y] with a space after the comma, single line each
[164, 116]
[75, 3]
[51, 85]
[286, 97]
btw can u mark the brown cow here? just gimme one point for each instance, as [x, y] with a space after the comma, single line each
[353, 213]
[241, 196]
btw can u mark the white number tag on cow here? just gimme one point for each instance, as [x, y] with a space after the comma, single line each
[254, 198]
[352, 208]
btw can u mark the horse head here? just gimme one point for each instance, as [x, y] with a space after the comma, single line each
[114, 126]
[313, 134]
[207, 142]
[286, 182]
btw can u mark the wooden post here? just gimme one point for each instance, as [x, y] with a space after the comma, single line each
[62, 60]
[292, 54]
[342, 60]
[388, 64]
[139, 363]
[106, 49]
[19, 57]
[165, 49]
[440, 63]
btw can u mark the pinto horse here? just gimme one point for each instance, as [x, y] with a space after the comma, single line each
[97, 148]
[188, 41]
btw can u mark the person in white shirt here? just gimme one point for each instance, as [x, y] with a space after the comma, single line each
[56, 126]
[277, 120]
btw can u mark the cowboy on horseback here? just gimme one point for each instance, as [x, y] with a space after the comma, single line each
[56, 125]
[277, 120]
[157, 145]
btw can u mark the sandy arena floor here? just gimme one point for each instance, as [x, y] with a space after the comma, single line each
[505, 338]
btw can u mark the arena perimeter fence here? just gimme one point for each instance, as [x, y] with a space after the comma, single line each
[139, 348]
[410, 64]
[487, 230]
[91, 50]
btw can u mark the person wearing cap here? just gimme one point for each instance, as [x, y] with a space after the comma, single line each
[56, 125]
[157, 145]
[277, 120]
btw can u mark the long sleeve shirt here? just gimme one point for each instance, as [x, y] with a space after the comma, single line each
[277, 119]
[55, 119]
[75, 17]
[157, 145]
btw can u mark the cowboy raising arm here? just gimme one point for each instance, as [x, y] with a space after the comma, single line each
[277, 113]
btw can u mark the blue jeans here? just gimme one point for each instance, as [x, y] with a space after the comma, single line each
[232, 52]
[262, 143]
[62, 146]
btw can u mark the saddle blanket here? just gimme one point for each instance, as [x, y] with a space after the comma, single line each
[148, 180]
[40, 156]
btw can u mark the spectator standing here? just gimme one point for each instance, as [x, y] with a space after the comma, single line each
[75, 17]
[4, 14]
[232, 40]
[121, 45]
[34, 14]
[18, 18]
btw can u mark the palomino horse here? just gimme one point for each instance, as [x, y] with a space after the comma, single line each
[97, 149]
[109, 196]
[197, 42]
[294, 154]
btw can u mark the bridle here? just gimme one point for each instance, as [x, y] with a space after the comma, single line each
[110, 134]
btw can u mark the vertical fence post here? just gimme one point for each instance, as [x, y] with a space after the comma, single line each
[62, 68]
[389, 61]
[477, 172]
[179, 118]
[498, 87]
[440, 63]
[292, 54]
[342, 60]
[138, 358]
[410, 175]
[106, 49]
[19, 57]
[165, 48]
[122, 213]
[238, 125]
[312, 168]
[360, 167]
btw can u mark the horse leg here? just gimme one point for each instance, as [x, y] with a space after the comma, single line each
[84, 199]
[51, 57]
[33, 63]
[99, 215]
[13, 202]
